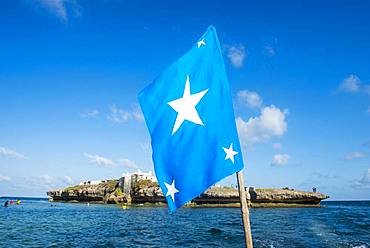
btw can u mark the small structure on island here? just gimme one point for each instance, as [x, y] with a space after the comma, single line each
[91, 182]
[124, 183]
[142, 187]
[139, 175]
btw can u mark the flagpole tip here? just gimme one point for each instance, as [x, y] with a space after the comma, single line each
[211, 27]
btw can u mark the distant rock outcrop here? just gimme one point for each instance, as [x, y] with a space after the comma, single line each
[106, 192]
[285, 196]
[218, 195]
[148, 191]
[143, 191]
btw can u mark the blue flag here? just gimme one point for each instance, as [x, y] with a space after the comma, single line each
[190, 117]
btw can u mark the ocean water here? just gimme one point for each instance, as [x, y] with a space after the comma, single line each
[39, 223]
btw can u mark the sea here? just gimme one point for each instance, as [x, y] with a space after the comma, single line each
[39, 223]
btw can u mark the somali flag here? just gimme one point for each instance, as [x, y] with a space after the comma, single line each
[190, 117]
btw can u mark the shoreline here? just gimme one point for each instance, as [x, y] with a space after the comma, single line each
[48, 198]
[206, 205]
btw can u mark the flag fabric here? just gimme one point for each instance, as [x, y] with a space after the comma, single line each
[190, 117]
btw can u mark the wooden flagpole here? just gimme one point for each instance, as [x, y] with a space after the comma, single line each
[245, 211]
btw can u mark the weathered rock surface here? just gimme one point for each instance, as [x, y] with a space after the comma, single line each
[85, 193]
[146, 191]
[218, 195]
[286, 196]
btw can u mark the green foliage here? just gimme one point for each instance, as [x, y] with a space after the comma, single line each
[118, 192]
[146, 184]
[112, 185]
[277, 191]
[76, 187]
[227, 187]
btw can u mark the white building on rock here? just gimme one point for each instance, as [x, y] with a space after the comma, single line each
[139, 175]
[91, 182]
[129, 179]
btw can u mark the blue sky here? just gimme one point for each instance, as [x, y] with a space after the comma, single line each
[70, 72]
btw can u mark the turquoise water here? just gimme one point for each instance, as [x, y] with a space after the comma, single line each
[35, 223]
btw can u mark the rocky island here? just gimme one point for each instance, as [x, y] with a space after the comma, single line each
[142, 188]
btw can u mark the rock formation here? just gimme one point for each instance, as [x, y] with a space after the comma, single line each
[147, 191]
[285, 196]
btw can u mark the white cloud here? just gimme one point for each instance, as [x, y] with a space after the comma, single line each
[106, 162]
[354, 155]
[48, 179]
[118, 115]
[67, 179]
[321, 176]
[55, 181]
[280, 159]
[270, 50]
[61, 8]
[271, 123]
[250, 98]
[351, 84]
[136, 113]
[128, 163]
[92, 113]
[99, 160]
[236, 54]
[4, 178]
[6, 152]
[365, 180]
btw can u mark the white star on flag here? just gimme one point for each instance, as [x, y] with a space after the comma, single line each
[171, 190]
[201, 42]
[230, 153]
[185, 107]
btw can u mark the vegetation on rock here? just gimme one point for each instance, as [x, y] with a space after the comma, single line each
[148, 192]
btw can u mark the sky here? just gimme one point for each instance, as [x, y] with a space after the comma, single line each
[71, 70]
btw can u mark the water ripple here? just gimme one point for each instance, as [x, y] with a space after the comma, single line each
[37, 224]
